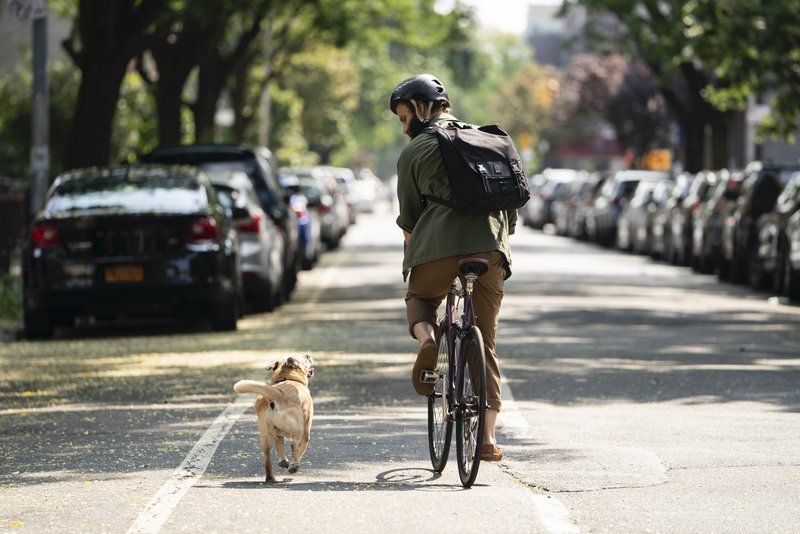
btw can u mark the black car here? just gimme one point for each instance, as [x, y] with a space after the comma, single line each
[768, 265]
[761, 186]
[265, 180]
[131, 242]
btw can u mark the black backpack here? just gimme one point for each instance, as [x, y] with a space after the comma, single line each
[483, 168]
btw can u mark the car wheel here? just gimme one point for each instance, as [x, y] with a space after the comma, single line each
[723, 270]
[791, 284]
[38, 323]
[226, 315]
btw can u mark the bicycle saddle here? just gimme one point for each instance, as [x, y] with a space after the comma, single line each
[476, 266]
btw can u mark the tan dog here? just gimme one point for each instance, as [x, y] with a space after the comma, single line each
[284, 410]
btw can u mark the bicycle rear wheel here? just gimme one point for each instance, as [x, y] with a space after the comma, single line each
[440, 425]
[471, 412]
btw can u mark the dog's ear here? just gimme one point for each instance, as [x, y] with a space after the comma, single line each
[310, 364]
[274, 365]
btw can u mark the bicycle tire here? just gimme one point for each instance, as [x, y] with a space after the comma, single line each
[471, 413]
[440, 426]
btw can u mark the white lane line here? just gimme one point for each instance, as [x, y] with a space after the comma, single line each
[552, 512]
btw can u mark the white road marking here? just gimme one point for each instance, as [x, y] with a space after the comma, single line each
[552, 512]
[189, 472]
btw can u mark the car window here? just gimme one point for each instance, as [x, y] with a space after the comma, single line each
[128, 192]
[265, 194]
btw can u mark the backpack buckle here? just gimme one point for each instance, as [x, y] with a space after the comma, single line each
[485, 175]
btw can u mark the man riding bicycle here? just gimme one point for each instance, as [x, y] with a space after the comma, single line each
[437, 237]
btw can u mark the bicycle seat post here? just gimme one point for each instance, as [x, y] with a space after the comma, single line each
[470, 278]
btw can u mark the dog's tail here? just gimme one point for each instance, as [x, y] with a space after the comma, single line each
[252, 386]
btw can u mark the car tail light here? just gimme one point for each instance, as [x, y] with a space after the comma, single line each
[619, 200]
[45, 236]
[252, 225]
[324, 208]
[203, 229]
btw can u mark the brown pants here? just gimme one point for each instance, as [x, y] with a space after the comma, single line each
[428, 286]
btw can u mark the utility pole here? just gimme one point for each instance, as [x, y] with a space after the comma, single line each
[40, 106]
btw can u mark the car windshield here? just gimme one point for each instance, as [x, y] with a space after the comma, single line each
[127, 192]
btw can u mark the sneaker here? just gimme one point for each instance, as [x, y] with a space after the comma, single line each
[426, 360]
[491, 453]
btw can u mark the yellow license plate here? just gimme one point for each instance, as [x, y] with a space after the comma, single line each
[124, 273]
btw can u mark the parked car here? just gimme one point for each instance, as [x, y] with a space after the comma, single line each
[768, 263]
[661, 241]
[261, 242]
[584, 203]
[761, 186]
[565, 209]
[131, 242]
[649, 196]
[555, 185]
[790, 285]
[326, 199]
[707, 226]
[682, 223]
[353, 192]
[613, 197]
[307, 219]
[261, 172]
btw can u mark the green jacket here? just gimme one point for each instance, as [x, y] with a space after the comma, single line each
[436, 230]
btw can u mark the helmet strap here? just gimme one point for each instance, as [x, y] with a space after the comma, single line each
[427, 113]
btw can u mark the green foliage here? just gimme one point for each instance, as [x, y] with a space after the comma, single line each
[10, 297]
[327, 82]
[755, 48]
[15, 117]
[134, 128]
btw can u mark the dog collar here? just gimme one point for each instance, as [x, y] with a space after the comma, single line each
[294, 377]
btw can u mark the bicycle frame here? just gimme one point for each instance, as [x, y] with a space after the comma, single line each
[456, 326]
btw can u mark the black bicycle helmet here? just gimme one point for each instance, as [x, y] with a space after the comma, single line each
[422, 86]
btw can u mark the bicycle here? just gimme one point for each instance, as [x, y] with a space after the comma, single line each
[459, 392]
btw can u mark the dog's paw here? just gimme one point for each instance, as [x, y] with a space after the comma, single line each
[270, 480]
[284, 463]
[294, 468]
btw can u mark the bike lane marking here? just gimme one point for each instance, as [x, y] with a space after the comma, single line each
[552, 512]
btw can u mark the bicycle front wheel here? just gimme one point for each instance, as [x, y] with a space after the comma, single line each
[471, 410]
[440, 424]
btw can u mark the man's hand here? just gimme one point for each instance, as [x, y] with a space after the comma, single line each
[406, 237]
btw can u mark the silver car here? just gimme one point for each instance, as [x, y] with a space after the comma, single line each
[261, 243]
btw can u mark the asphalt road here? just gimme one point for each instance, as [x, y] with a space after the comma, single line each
[645, 399]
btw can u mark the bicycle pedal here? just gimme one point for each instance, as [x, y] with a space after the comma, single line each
[428, 377]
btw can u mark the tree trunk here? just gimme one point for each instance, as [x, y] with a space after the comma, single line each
[211, 80]
[721, 127]
[89, 142]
